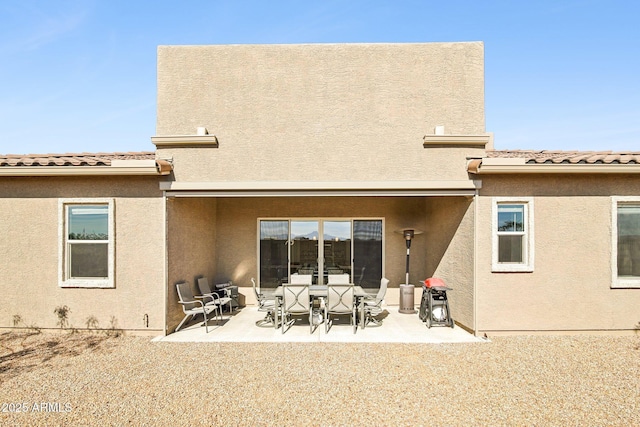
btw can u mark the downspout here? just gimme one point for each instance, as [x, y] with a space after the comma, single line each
[166, 261]
[475, 257]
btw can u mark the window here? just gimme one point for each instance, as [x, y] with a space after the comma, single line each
[86, 243]
[626, 242]
[512, 235]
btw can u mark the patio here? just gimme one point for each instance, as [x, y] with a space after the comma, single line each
[396, 328]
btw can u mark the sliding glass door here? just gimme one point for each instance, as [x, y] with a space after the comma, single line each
[336, 246]
[321, 247]
[304, 248]
[367, 253]
[274, 253]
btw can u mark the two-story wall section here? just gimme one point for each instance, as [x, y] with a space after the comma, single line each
[266, 137]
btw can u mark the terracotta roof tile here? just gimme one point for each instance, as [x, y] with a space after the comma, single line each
[570, 157]
[70, 159]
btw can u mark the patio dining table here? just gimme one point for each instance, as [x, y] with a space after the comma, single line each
[322, 291]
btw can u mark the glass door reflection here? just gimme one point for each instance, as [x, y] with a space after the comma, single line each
[337, 248]
[303, 246]
[332, 246]
[367, 251]
[274, 259]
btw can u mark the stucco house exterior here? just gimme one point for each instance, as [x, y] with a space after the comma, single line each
[273, 159]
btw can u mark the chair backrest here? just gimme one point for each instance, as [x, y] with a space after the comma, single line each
[296, 299]
[359, 282]
[203, 285]
[338, 279]
[340, 298]
[301, 279]
[383, 289]
[186, 296]
[255, 289]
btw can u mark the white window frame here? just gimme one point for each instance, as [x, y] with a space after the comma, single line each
[63, 280]
[528, 245]
[620, 282]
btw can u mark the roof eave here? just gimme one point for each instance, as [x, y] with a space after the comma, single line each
[159, 167]
[481, 168]
[448, 141]
[320, 188]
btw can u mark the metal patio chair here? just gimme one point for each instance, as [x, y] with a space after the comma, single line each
[340, 301]
[338, 279]
[213, 296]
[191, 306]
[266, 305]
[373, 306]
[301, 279]
[296, 301]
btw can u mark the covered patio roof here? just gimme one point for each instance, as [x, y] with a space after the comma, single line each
[319, 188]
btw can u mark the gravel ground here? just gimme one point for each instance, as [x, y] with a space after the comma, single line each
[95, 379]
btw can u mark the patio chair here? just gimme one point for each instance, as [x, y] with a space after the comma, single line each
[296, 301]
[191, 306]
[338, 279]
[266, 305]
[301, 279]
[213, 296]
[340, 301]
[373, 306]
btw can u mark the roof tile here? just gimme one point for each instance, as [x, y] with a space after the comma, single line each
[573, 157]
[71, 159]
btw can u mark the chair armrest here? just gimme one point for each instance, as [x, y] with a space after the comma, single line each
[214, 297]
[192, 302]
[266, 297]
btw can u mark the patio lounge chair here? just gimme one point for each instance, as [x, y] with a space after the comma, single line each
[191, 306]
[265, 304]
[373, 306]
[296, 301]
[214, 297]
[340, 300]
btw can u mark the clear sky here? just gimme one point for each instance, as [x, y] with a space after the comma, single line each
[80, 76]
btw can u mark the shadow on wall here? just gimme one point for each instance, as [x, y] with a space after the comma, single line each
[445, 216]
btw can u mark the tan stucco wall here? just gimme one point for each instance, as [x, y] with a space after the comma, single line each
[320, 112]
[570, 287]
[191, 248]
[324, 112]
[450, 252]
[29, 252]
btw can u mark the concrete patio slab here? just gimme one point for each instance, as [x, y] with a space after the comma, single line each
[396, 328]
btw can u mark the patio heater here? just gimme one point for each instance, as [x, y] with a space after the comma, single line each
[407, 289]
